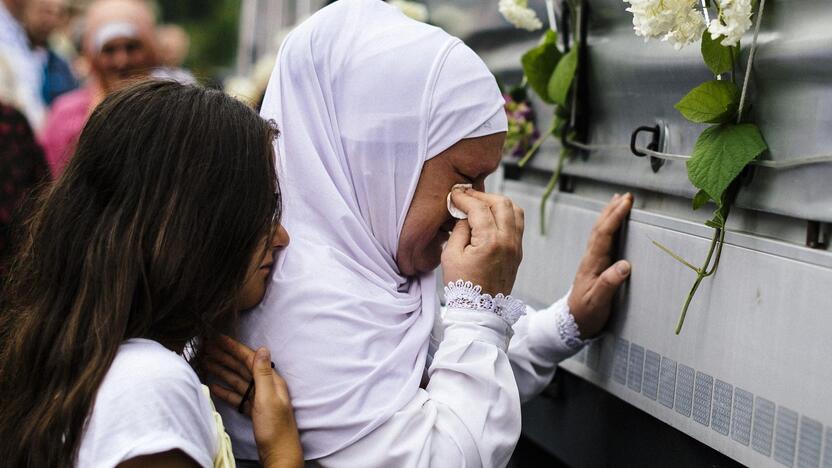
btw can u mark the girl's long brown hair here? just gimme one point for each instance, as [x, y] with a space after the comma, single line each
[149, 233]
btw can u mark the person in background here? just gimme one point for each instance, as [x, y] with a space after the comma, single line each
[173, 46]
[41, 18]
[22, 168]
[20, 71]
[120, 44]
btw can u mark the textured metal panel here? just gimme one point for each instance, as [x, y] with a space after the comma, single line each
[809, 443]
[667, 382]
[741, 416]
[636, 367]
[702, 394]
[684, 390]
[762, 431]
[652, 362]
[619, 371]
[827, 452]
[729, 328]
[785, 436]
[721, 412]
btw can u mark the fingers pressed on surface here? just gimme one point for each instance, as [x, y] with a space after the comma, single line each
[608, 283]
[598, 249]
[229, 396]
[238, 350]
[219, 356]
[230, 378]
[617, 214]
[609, 207]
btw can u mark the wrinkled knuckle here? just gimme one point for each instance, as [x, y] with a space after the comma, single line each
[479, 211]
[491, 247]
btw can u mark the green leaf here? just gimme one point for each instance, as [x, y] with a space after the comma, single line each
[700, 199]
[539, 64]
[561, 80]
[720, 154]
[719, 58]
[717, 222]
[711, 102]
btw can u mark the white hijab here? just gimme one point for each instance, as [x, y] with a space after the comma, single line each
[363, 96]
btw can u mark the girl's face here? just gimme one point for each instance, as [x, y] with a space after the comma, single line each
[260, 269]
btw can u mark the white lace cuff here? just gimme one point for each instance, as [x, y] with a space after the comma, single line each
[464, 295]
[568, 329]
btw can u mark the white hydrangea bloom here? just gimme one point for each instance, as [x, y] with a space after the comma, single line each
[518, 13]
[677, 21]
[689, 27]
[650, 18]
[413, 10]
[734, 20]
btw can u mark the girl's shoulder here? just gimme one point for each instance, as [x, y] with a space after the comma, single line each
[150, 401]
[146, 363]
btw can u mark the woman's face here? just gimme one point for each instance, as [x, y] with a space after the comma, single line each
[260, 268]
[428, 224]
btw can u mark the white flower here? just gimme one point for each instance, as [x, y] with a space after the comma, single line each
[677, 21]
[518, 13]
[689, 27]
[413, 10]
[734, 20]
[650, 18]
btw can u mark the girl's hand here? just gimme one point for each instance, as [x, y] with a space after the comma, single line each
[487, 248]
[268, 405]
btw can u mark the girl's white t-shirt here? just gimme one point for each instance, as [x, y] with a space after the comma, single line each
[150, 401]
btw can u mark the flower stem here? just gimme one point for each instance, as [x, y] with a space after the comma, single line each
[675, 256]
[536, 146]
[550, 187]
[533, 150]
[701, 273]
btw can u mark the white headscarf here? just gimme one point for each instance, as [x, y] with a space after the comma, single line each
[363, 97]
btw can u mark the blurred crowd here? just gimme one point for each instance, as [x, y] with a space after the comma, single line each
[58, 59]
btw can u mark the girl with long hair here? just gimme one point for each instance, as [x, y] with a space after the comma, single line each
[162, 228]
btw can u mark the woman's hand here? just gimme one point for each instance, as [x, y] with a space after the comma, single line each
[486, 249]
[596, 280]
[268, 405]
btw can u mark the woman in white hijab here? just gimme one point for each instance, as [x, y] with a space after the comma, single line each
[366, 100]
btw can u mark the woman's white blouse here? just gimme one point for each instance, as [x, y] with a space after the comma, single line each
[468, 412]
